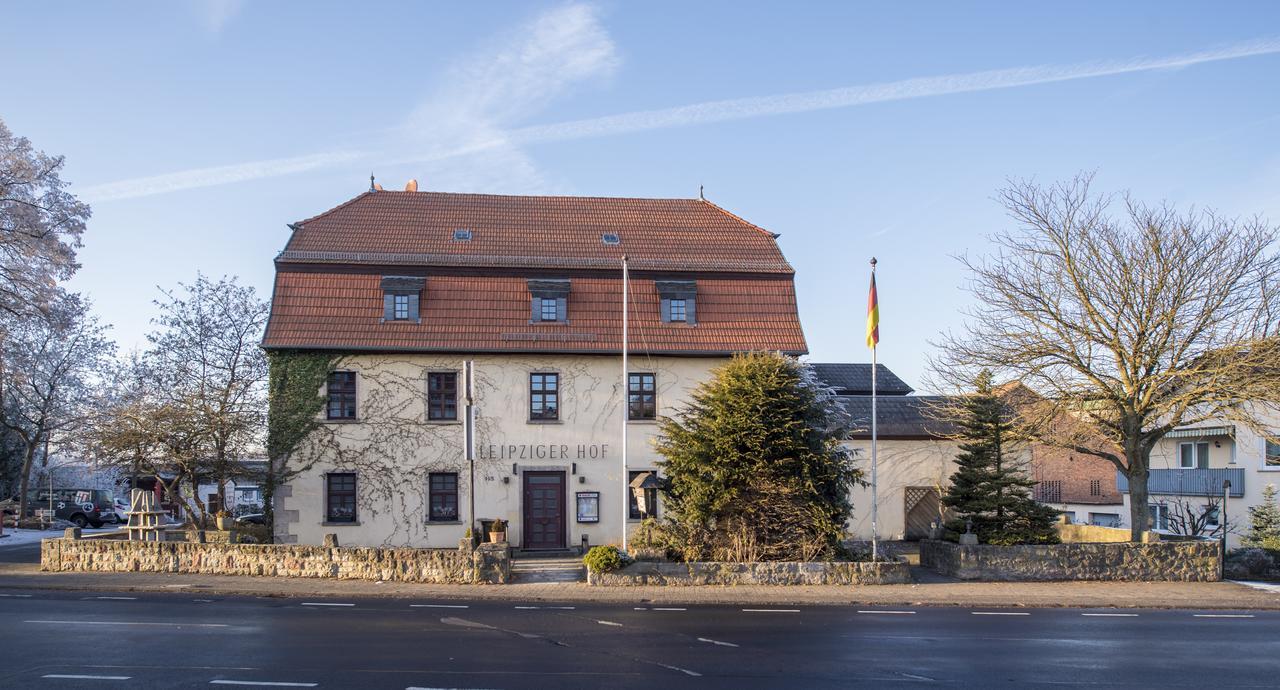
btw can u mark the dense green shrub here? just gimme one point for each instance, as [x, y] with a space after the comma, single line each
[1264, 522]
[604, 559]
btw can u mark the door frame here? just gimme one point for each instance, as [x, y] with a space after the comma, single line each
[564, 507]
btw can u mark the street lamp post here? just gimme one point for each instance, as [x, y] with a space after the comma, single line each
[1222, 520]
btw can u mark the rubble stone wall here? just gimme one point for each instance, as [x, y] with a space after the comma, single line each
[1181, 561]
[763, 573]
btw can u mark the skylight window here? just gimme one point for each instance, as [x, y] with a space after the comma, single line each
[462, 235]
[611, 238]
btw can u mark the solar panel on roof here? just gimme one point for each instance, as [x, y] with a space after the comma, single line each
[611, 238]
[462, 235]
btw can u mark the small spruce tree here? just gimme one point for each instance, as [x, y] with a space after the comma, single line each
[1264, 522]
[754, 467]
[990, 488]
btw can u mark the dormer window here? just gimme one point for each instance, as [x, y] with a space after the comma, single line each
[550, 301]
[678, 300]
[401, 298]
[462, 235]
[611, 238]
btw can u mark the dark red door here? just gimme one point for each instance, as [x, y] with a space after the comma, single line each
[544, 510]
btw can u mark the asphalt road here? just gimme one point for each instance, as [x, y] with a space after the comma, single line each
[183, 640]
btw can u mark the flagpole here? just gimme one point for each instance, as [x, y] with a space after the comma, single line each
[626, 409]
[875, 493]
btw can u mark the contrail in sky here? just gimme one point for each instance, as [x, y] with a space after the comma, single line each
[689, 115]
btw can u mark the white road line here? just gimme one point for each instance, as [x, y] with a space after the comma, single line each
[113, 598]
[685, 671]
[548, 608]
[1222, 615]
[1111, 615]
[263, 683]
[998, 613]
[167, 625]
[717, 642]
[17, 596]
[891, 613]
[203, 601]
[71, 676]
[616, 625]
[438, 606]
[668, 608]
[771, 610]
[323, 603]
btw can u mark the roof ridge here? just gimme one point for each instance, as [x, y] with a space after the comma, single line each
[342, 205]
[772, 235]
[536, 196]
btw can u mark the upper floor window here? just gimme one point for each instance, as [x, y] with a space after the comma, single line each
[401, 296]
[678, 299]
[1193, 456]
[1095, 487]
[549, 309]
[1273, 454]
[678, 312]
[544, 396]
[642, 396]
[341, 391]
[400, 307]
[550, 301]
[442, 395]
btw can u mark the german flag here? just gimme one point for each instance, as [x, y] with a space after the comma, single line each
[873, 316]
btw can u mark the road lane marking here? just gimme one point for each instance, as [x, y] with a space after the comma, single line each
[891, 613]
[1222, 615]
[17, 596]
[618, 625]
[323, 603]
[1111, 615]
[998, 613]
[203, 601]
[111, 598]
[438, 606]
[263, 683]
[168, 625]
[771, 610]
[717, 642]
[548, 608]
[659, 608]
[685, 671]
[73, 676]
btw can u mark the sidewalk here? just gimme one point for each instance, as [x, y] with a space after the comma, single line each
[933, 592]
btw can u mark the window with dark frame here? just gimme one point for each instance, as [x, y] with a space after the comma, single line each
[633, 507]
[1272, 455]
[442, 395]
[549, 309]
[642, 400]
[341, 390]
[341, 497]
[400, 307]
[678, 312]
[544, 396]
[444, 496]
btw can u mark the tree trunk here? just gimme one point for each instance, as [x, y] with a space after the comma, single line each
[24, 482]
[268, 499]
[1139, 515]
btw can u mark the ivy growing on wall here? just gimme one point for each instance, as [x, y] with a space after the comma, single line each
[296, 400]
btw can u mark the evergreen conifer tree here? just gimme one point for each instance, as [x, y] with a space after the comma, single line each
[990, 488]
[1264, 522]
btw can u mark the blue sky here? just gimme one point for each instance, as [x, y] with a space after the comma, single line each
[197, 130]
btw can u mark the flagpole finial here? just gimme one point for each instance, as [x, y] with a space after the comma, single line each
[873, 262]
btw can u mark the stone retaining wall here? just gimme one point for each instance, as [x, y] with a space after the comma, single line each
[489, 563]
[1185, 561]
[766, 573]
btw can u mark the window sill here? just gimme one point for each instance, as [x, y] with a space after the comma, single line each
[341, 421]
[642, 421]
[443, 422]
[1271, 468]
[544, 421]
[340, 524]
[443, 522]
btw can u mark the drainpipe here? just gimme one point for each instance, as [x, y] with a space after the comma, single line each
[468, 376]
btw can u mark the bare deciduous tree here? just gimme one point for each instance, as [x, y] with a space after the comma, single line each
[1127, 327]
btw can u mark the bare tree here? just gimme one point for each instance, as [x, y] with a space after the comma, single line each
[52, 360]
[40, 226]
[1126, 327]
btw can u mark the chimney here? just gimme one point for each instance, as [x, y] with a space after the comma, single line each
[412, 186]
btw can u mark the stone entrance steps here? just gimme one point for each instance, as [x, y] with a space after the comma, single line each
[547, 568]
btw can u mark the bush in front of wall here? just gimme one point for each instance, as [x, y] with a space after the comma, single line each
[604, 559]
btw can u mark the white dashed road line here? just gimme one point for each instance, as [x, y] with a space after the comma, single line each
[263, 683]
[17, 596]
[438, 606]
[73, 676]
[1222, 615]
[1111, 615]
[891, 613]
[717, 642]
[659, 608]
[548, 608]
[111, 598]
[616, 625]
[166, 625]
[771, 610]
[998, 613]
[685, 671]
[323, 603]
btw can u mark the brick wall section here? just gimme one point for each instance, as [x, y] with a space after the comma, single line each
[775, 573]
[1190, 561]
[487, 564]
[1076, 473]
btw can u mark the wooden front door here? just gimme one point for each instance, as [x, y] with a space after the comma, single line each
[544, 510]
[922, 507]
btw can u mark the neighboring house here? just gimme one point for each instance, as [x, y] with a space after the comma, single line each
[1190, 465]
[1082, 487]
[916, 454]
[404, 288]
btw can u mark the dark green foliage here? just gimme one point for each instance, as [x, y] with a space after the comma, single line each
[990, 488]
[1264, 522]
[603, 559]
[754, 465]
[295, 401]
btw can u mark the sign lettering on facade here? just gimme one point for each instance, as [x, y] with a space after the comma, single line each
[543, 451]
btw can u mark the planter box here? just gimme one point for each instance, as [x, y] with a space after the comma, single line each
[1182, 561]
[766, 573]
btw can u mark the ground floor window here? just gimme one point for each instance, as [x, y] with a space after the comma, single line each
[444, 496]
[1273, 454]
[1158, 516]
[340, 495]
[1104, 519]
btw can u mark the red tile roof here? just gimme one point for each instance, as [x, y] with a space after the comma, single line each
[416, 228]
[343, 311]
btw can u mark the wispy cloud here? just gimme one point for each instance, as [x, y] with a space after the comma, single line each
[216, 14]
[474, 115]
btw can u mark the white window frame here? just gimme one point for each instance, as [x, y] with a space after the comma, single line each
[1159, 513]
[1195, 454]
[1268, 463]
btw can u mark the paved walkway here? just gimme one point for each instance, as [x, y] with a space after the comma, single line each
[933, 592]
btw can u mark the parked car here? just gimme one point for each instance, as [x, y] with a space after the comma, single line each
[80, 507]
[252, 519]
[121, 511]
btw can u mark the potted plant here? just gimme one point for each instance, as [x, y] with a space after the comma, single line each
[224, 521]
[498, 531]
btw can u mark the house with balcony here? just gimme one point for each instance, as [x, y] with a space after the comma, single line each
[1193, 468]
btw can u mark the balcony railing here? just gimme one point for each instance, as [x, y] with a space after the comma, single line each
[1190, 482]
